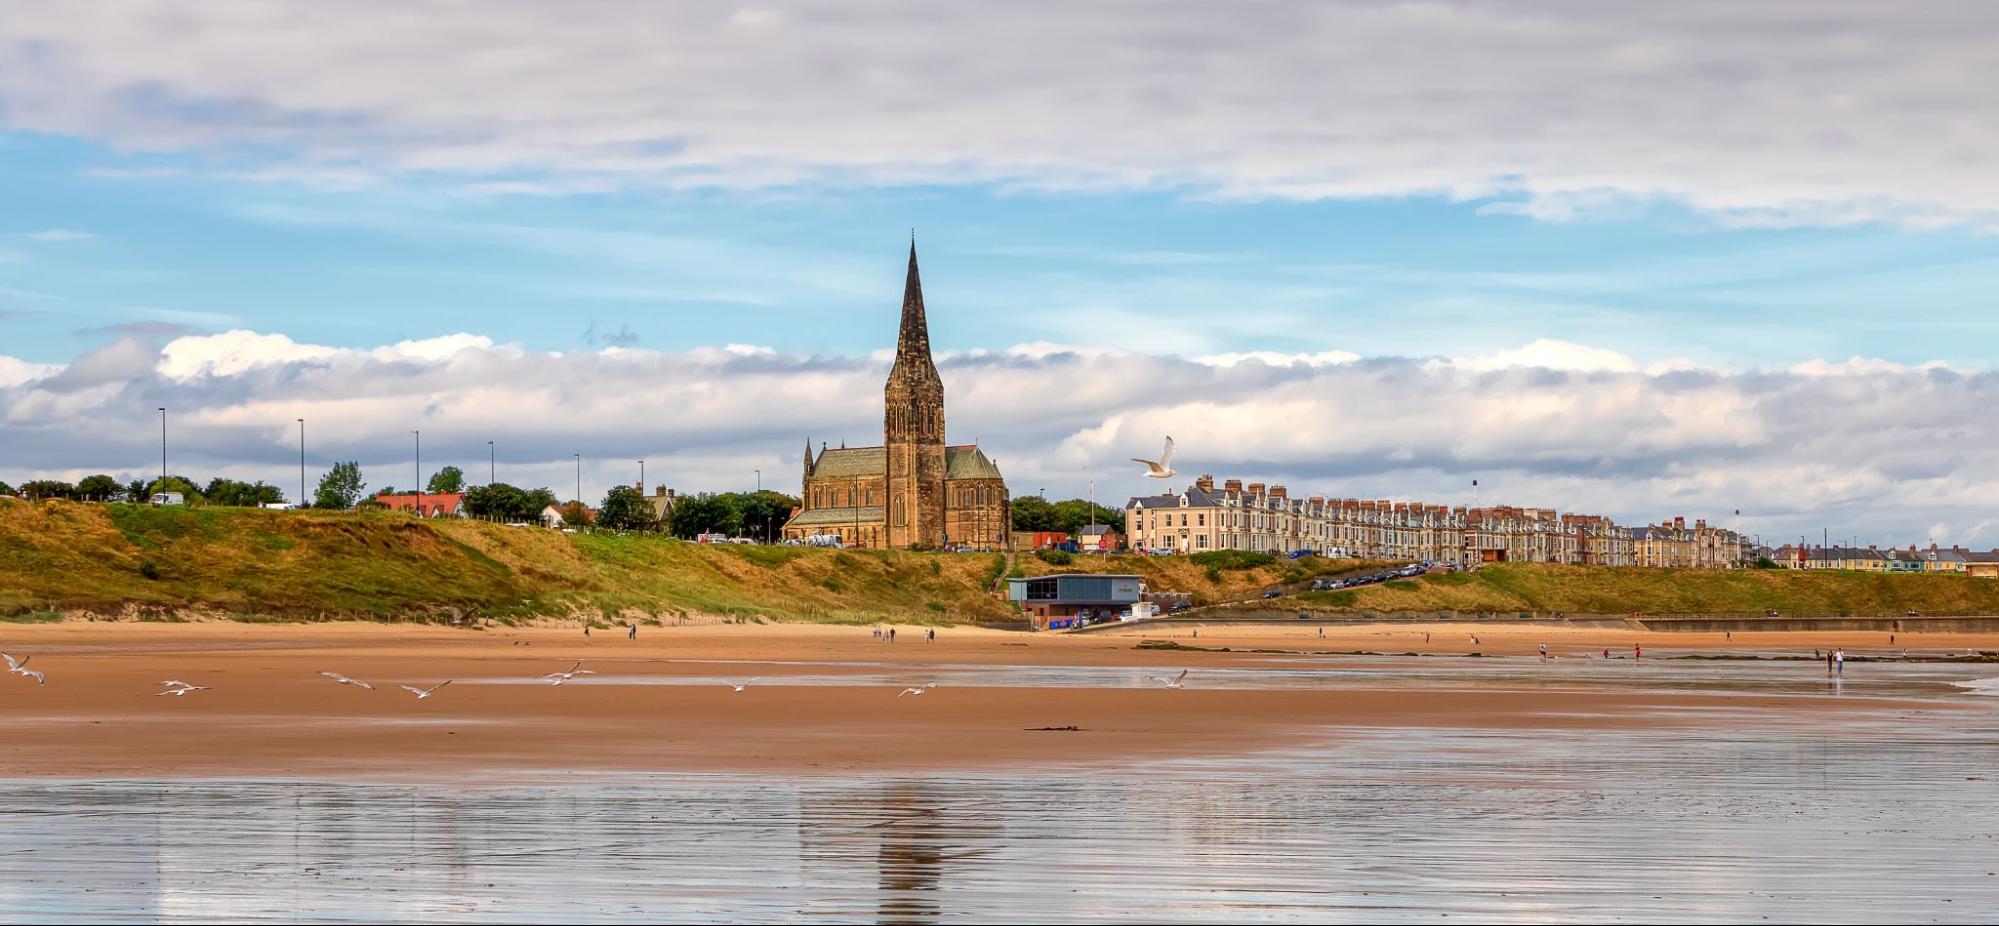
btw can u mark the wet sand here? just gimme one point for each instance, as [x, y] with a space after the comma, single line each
[826, 699]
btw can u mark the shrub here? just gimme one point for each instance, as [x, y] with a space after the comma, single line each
[1055, 557]
[1233, 559]
[1214, 573]
[149, 570]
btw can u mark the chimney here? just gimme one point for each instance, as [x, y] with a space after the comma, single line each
[1233, 485]
[1256, 488]
[1700, 525]
[1680, 524]
[1278, 492]
[1206, 482]
[1318, 500]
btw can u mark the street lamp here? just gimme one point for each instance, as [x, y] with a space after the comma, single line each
[163, 447]
[492, 464]
[760, 479]
[642, 477]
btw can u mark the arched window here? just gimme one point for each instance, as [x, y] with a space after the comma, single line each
[901, 513]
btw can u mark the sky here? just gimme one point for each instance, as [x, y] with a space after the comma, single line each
[1685, 259]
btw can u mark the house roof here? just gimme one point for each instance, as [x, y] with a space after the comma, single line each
[964, 461]
[834, 517]
[446, 502]
[1097, 530]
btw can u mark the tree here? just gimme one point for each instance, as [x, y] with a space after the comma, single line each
[6, 489]
[574, 514]
[502, 502]
[47, 488]
[625, 509]
[705, 514]
[340, 488]
[222, 491]
[99, 488]
[761, 514]
[1033, 513]
[135, 491]
[181, 484]
[447, 481]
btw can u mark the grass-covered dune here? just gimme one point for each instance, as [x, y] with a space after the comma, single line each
[1516, 587]
[65, 557]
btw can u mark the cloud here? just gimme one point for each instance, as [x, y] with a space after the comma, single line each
[1893, 452]
[623, 337]
[1830, 113]
[152, 329]
[60, 234]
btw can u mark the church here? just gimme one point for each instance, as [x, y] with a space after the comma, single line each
[914, 490]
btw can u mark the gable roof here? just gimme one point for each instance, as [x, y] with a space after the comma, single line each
[964, 461]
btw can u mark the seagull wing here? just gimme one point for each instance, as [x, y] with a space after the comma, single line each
[362, 684]
[12, 663]
[37, 676]
[411, 690]
[1181, 677]
[176, 683]
[1166, 457]
[439, 685]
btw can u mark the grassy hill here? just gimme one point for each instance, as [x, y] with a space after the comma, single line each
[248, 563]
[1518, 587]
[285, 565]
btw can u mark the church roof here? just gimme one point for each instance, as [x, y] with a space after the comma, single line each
[834, 517]
[912, 340]
[965, 461]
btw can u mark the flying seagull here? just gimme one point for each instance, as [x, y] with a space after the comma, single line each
[917, 691]
[575, 670]
[184, 688]
[1161, 468]
[20, 667]
[1172, 681]
[176, 683]
[422, 693]
[741, 686]
[344, 680]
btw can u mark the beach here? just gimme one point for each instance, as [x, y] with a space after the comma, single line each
[826, 699]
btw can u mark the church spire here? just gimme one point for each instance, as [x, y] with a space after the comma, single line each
[912, 344]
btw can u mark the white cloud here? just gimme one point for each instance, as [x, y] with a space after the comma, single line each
[60, 234]
[1892, 452]
[1551, 354]
[1833, 112]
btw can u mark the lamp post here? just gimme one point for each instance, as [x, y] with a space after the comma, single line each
[301, 463]
[163, 446]
[642, 477]
[492, 464]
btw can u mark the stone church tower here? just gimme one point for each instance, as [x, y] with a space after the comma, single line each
[913, 429]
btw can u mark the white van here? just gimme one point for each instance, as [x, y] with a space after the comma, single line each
[168, 498]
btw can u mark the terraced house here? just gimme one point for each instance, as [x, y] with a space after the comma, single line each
[1266, 519]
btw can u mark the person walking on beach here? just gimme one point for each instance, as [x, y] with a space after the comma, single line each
[586, 630]
[1637, 652]
[1544, 652]
[1828, 662]
[1839, 659]
[632, 631]
[891, 634]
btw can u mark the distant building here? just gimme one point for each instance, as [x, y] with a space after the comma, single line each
[1054, 602]
[1982, 565]
[426, 505]
[914, 489]
[662, 501]
[1102, 537]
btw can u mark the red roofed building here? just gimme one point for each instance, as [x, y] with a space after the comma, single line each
[427, 505]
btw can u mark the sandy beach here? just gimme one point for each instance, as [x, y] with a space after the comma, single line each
[825, 699]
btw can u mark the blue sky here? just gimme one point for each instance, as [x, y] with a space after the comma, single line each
[815, 271]
[1671, 259]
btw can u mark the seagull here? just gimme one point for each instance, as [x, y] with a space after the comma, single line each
[1163, 467]
[575, 670]
[917, 691]
[421, 693]
[741, 686]
[344, 680]
[1172, 681]
[20, 667]
[176, 683]
[184, 689]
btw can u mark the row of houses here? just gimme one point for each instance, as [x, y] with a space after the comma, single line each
[1266, 519]
[1935, 559]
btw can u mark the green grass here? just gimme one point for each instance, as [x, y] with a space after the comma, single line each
[1516, 588]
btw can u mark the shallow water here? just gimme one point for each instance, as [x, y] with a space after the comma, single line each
[1890, 820]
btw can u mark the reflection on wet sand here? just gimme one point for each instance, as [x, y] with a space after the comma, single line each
[1876, 820]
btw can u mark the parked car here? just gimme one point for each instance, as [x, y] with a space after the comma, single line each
[1179, 606]
[1272, 592]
